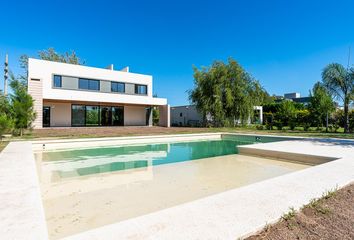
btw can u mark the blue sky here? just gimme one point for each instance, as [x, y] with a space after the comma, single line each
[284, 44]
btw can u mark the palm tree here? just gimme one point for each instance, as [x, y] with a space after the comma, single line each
[340, 84]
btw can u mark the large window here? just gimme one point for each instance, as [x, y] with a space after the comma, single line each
[117, 87]
[89, 84]
[140, 89]
[92, 115]
[106, 116]
[82, 115]
[78, 115]
[57, 81]
[117, 116]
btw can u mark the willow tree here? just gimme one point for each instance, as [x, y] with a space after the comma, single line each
[226, 93]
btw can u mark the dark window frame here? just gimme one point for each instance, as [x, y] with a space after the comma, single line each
[84, 125]
[137, 89]
[60, 80]
[99, 115]
[117, 83]
[89, 85]
[49, 108]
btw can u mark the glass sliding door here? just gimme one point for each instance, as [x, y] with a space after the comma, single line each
[92, 115]
[82, 115]
[106, 116]
[77, 115]
[117, 116]
[46, 116]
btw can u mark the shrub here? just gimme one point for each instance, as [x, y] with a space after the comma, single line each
[260, 127]
[314, 129]
[299, 128]
[286, 128]
[6, 124]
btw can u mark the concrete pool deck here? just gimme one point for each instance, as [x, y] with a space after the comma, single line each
[227, 215]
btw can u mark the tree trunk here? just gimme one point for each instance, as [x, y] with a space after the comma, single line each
[327, 122]
[346, 114]
[21, 132]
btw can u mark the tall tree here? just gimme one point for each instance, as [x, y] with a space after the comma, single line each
[68, 57]
[321, 104]
[226, 92]
[22, 104]
[339, 82]
[51, 55]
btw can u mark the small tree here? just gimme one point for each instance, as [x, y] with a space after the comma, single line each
[22, 105]
[6, 124]
[286, 113]
[321, 105]
[5, 119]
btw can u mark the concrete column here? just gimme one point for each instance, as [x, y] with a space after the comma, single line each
[150, 109]
[164, 120]
[261, 115]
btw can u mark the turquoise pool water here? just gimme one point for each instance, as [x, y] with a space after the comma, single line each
[81, 162]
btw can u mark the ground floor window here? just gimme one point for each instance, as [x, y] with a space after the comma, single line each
[92, 115]
[78, 115]
[85, 115]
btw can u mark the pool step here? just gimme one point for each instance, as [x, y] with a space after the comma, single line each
[294, 157]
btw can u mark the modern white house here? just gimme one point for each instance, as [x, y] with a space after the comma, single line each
[68, 95]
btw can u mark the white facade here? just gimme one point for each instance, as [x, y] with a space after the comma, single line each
[60, 99]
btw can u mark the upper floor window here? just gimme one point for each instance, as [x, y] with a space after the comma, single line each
[117, 87]
[57, 81]
[89, 84]
[140, 89]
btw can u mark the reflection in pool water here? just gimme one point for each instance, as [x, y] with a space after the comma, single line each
[81, 162]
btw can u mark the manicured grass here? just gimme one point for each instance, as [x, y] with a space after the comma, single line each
[139, 131]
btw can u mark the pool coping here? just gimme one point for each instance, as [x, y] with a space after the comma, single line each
[227, 215]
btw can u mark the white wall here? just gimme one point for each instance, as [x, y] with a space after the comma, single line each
[44, 70]
[60, 114]
[165, 116]
[35, 89]
[134, 116]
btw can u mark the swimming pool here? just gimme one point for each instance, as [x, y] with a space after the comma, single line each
[84, 188]
[80, 162]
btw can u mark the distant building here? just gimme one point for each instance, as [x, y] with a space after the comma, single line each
[291, 95]
[188, 115]
[295, 97]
